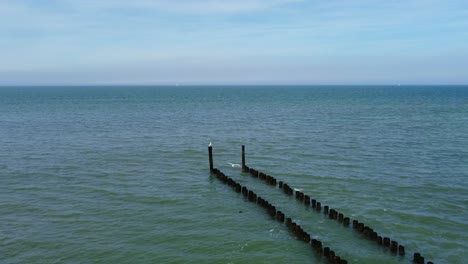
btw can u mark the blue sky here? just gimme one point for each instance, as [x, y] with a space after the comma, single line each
[233, 42]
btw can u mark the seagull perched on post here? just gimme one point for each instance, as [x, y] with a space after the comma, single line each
[210, 145]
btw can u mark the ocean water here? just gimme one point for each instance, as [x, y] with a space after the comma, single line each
[121, 175]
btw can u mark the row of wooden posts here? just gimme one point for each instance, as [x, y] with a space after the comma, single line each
[295, 228]
[316, 205]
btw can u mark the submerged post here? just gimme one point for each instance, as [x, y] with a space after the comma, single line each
[243, 159]
[210, 155]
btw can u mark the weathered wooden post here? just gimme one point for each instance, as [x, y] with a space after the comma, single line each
[379, 240]
[244, 168]
[401, 250]
[210, 155]
[416, 257]
[307, 200]
[346, 221]
[394, 247]
[386, 242]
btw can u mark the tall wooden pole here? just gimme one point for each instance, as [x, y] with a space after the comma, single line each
[210, 154]
[243, 159]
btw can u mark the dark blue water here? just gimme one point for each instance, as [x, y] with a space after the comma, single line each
[120, 174]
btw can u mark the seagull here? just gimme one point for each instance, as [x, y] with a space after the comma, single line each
[234, 165]
[210, 145]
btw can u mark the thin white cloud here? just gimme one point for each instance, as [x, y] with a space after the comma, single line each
[185, 6]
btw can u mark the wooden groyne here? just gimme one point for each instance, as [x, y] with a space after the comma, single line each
[332, 214]
[363, 229]
[316, 245]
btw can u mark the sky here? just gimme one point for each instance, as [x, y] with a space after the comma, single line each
[169, 42]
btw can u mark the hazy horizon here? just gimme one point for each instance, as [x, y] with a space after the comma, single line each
[227, 85]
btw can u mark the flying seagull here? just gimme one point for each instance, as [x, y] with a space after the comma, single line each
[234, 165]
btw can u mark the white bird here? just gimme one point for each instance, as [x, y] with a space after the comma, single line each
[234, 165]
[210, 145]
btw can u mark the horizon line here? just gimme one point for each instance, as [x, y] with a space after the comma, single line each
[221, 84]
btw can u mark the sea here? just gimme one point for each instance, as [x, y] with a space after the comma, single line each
[120, 174]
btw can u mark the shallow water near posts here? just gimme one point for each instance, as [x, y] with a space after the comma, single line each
[121, 174]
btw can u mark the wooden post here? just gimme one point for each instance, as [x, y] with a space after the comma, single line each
[401, 250]
[243, 159]
[379, 240]
[340, 217]
[346, 221]
[210, 154]
[394, 247]
[319, 207]
[386, 242]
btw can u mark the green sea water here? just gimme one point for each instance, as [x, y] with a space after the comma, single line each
[120, 174]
